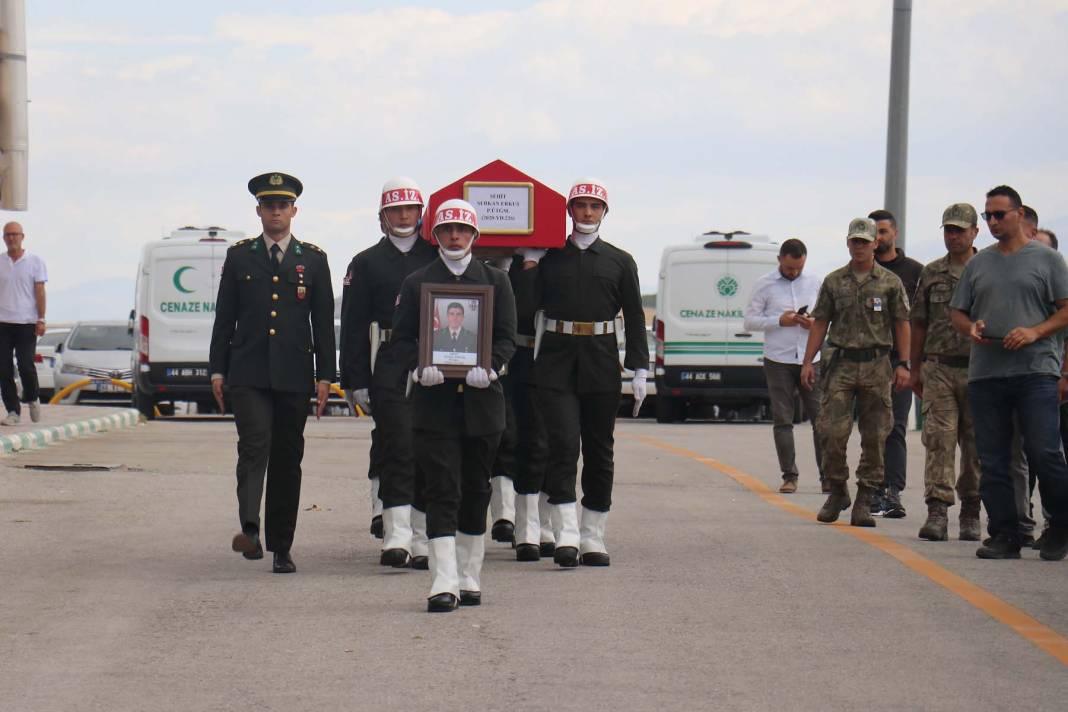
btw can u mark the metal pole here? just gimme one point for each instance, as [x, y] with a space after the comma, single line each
[897, 126]
[14, 127]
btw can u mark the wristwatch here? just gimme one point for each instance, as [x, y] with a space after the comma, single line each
[907, 365]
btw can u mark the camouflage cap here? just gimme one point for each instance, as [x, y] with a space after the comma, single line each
[861, 229]
[960, 215]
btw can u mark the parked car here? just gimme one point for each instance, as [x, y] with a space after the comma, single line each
[99, 350]
[45, 360]
[626, 404]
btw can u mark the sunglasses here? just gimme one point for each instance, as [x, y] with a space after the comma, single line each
[998, 215]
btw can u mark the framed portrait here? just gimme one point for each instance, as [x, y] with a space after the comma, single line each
[503, 207]
[455, 327]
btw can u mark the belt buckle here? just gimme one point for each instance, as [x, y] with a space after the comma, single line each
[582, 328]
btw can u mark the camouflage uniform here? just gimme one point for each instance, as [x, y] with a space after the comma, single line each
[947, 418]
[862, 314]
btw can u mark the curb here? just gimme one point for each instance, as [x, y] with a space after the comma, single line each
[43, 437]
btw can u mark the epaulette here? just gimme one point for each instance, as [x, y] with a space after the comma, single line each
[239, 243]
[314, 247]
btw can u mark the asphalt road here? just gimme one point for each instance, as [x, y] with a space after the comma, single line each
[118, 591]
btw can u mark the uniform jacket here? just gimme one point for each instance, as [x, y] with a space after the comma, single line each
[465, 341]
[587, 285]
[296, 303]
[372, 283]
[862, 312]
[931, 308]
[453, 407]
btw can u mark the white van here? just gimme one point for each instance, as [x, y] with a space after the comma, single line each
[177, 281]
[704, 356]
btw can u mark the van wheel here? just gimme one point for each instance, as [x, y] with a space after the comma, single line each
[143, 402]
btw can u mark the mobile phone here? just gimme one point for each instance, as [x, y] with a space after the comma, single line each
[802, 311]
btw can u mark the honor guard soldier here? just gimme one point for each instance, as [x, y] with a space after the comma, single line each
[375, 379]
[457, 422]
[272, 345]
[940, 357]
[864, 306]
[579, 289]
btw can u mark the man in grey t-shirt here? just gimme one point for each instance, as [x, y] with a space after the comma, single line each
[1011, 301]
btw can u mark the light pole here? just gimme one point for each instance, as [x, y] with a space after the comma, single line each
[14, 129]
[897, 125]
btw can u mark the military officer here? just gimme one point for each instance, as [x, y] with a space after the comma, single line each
[864, 306]
[272, 345]
[371, 286]
[457, 422]
[580, 288]
[940, 377]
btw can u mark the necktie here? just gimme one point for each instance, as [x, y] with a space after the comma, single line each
[276, 251]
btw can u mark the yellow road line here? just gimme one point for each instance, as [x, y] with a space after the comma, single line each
[1029, 628]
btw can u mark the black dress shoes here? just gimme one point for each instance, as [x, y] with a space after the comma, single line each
[470, 598]
[527, 552]
[594, 558]
[376, 526]
[442, 603]
[248, 543]
[397, 558]
[547, 548]
[503, 531]
[283, 563]
[566, 556]
[421, 563]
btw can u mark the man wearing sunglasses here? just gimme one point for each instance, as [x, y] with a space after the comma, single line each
[1011, 301]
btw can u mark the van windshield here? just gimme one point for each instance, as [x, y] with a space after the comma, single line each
[98, 337]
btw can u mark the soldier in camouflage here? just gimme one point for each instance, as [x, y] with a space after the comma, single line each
[864, 307]
[940, 377]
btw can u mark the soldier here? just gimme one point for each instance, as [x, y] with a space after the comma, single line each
[457, 422]
[865, 308]
[272, 345]
[371, 286]
[580, 288]
[940, 377]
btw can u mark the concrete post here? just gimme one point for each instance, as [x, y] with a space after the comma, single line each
[897, 127]
[14, 127]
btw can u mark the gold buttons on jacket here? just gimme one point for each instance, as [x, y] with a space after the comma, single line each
[274, 314]
[274, 297]
[275, 279]
[271, 332]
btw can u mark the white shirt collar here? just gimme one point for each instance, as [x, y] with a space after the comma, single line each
[283, 244]
[457, 267]
[404, 244]
[584, 241]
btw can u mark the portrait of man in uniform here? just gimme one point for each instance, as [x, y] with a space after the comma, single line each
[456, 341]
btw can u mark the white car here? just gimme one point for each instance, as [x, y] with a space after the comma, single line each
[99, 350]
[45, 359]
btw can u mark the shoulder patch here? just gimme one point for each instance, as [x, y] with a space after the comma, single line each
[311, 246]
[239, 243]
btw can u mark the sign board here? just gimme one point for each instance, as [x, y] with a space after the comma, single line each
[514, 210]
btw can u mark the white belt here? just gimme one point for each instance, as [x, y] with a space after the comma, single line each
[580, 328]
[524, 341]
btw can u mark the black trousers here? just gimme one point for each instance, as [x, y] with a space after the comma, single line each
[505, 462]
[571, 419]
[895, 454]
[458, 471]
[270, 440]
[399, 476]
[22, 339]
[531, 446]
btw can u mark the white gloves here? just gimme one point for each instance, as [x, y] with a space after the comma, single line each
[478, 377]
[430, 376]
[639, 388]
[360, 397]
[532, 254]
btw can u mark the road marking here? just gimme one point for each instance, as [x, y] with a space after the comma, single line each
[1029, 628]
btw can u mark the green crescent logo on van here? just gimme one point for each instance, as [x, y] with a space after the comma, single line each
[178, 280]
[727, 286]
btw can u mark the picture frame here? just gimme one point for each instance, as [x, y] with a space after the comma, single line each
[503, 207]
[455, 327]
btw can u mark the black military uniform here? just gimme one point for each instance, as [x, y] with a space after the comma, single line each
[273, 338]
[577, 372]
[372, 284]
[457, 427]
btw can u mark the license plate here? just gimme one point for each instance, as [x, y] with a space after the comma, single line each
[701, 376]
[186, 372]
[107, 387]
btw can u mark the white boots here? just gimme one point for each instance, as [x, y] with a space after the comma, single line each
[376, 510]
[548, 541]
[444, 581]
[591, 547]
[566, 532]
[502, 509]
[420, 552]
[470, 552]
[396, 536]
[527, 528]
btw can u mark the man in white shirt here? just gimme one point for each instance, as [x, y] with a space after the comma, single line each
[22, 320]
[778, 307]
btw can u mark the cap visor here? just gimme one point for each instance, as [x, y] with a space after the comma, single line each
[860, 236]
[958, 223]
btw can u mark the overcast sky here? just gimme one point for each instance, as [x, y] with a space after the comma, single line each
[765, 115]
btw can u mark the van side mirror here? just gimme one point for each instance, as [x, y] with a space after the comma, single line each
[59, 347]
[130, 323]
